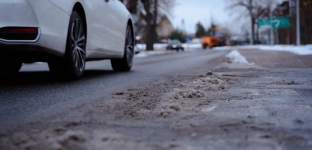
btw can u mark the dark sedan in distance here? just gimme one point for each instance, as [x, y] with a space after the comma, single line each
[175, 45]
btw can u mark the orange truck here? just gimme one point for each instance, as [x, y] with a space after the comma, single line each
[209, 41]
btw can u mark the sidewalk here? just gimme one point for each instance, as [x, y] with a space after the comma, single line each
[277, 58]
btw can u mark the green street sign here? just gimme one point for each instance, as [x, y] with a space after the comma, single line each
[277, 22]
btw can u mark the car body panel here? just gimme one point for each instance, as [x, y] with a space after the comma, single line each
[22, 14]
[105, 27]
[118, 19]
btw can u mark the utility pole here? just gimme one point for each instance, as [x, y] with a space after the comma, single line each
[183, 28]
[277, 39]
[271, 26]
[298, 21]
[288, 36]
[289, 15]
[252, 23]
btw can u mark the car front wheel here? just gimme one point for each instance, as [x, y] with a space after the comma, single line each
[125, 63]
[74, 60]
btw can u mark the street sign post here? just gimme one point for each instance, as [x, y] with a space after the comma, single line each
[218, 34]
[274, 22]
[217, 28]
[188, 39]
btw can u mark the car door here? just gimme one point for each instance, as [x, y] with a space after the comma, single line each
[116, 26]
[99, 27]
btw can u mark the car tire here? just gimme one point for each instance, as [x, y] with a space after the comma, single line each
[8, 67]
[74, 61]
[125, 63]
[56, 67]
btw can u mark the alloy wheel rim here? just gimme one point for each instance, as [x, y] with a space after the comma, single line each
[78, 45]
[129, 46]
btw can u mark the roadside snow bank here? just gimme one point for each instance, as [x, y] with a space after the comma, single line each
[163, 46]
[234, 60]
[223, 48]
[299, 50]
[145, 53]
[192, 45]
[150, 53]
[157, 46]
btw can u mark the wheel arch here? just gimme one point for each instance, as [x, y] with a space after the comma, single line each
[130, 23]
[78, 7]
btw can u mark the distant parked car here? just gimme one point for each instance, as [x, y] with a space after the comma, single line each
[175, 45]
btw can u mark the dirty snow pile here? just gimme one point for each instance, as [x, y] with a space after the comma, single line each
[235, 60]
[235, 57]
[188, 95]
[206, 83]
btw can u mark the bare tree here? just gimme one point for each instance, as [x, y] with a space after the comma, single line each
[131, 5]
[253, 9]
[260, 12]
[249, 6]
[306, 19]
[151, 11]
[226, 32]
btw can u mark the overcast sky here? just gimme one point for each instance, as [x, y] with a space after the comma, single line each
[193, 11]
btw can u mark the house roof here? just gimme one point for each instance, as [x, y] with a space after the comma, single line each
[139, 17]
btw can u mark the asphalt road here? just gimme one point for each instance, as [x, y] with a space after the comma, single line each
[34, 90]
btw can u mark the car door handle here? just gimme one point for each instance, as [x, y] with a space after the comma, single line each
[106, 0]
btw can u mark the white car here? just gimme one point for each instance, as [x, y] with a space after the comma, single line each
[66, 34]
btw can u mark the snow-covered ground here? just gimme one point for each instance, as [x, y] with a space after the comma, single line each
[300, 50]
[149, 53]
[235, 60]
[162, 46]
[157, 46]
